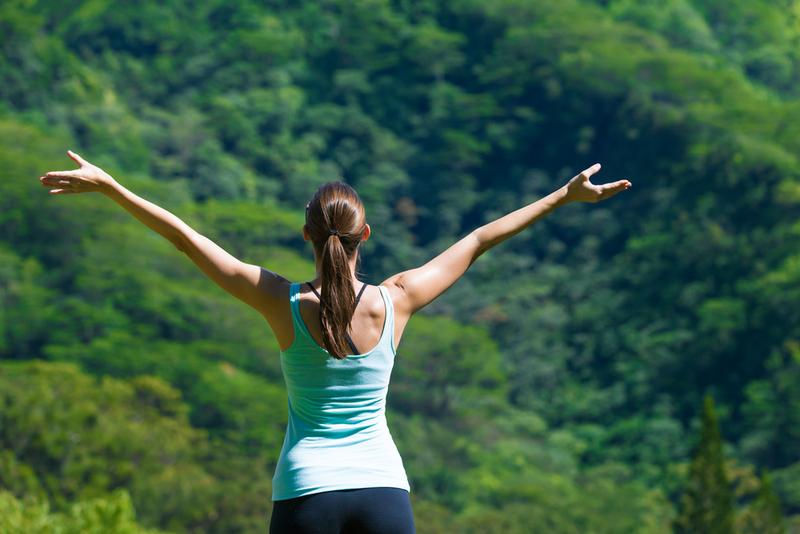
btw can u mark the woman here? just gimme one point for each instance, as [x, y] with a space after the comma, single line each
[339, 469]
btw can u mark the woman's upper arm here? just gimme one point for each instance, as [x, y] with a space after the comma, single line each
[260, 288]
[416, 288]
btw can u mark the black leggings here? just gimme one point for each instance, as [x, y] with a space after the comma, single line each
[351, 511]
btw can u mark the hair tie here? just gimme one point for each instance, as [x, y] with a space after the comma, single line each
[334, 231]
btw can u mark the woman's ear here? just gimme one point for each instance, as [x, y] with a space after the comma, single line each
[367, 233]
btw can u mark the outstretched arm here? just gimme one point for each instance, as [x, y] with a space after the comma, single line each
[252, 284]
[418, 287]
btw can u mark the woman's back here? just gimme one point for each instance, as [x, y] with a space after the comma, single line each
[366, 325]
[337, 436]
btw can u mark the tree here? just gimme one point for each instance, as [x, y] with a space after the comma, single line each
[111, 512]
[764, 515]
[707, 503]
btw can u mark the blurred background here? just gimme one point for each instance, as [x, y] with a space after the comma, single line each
[630, 366]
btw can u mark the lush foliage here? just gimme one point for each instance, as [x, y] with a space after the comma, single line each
[113, 513]
[555, 388]
[707, 504]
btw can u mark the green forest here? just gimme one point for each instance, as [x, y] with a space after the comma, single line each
[630, 366]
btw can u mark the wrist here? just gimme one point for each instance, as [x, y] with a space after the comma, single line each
[562, 196]
[110, 187]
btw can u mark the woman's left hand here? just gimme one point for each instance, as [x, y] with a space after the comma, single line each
[581, 189]
[83, 180]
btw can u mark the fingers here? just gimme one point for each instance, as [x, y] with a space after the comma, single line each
[587, 173]
[609, 190]
[76, 158]
[62, 174]
[56, 181]
[618, 184]
[61, 182]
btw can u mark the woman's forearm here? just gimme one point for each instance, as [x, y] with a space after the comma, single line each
[153, 216]
[511, 224]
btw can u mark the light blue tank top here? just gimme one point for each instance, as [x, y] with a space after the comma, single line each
[336, 436]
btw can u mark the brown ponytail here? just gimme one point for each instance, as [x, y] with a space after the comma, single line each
[335, 221]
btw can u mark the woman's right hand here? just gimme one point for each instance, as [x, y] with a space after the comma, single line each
[581, 189]
[83, 180]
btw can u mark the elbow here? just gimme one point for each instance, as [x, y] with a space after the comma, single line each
[184, 238]
[481, 240]
[179, 242]
[479, 236]
[481, 243]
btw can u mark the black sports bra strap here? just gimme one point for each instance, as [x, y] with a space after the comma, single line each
[352, 345]
[314, 290]
[358, 297]
[363, 287]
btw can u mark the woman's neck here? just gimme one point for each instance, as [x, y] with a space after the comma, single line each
[351, 263]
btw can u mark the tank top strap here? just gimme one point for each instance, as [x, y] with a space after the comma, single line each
[300, 330]
[294, 300]
[389, 321]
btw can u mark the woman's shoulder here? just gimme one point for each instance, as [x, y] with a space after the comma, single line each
[396, 292]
